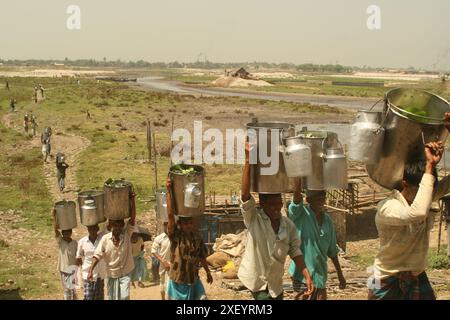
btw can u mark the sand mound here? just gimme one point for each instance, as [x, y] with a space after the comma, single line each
[238, 82]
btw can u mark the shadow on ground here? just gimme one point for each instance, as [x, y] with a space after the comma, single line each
[10, 294]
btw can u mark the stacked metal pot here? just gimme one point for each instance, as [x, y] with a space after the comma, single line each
[385, 141]
[316, 157]
[91, 207]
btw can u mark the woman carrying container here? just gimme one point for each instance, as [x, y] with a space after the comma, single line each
[187, 251]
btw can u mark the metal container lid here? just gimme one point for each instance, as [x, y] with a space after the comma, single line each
[417, 105]
[269, 125]
[334, 153]
[197, 169]
[89, 203]
[296, 140]
[90, 193]
[313, 134]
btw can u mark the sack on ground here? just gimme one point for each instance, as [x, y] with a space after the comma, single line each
[217, 259]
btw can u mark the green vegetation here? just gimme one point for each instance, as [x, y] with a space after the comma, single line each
[363, 259]
[23, 182]
[438, 261]
[30, 273]
[28, 202]
[321, 84]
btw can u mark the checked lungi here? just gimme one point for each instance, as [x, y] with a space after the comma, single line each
[402, 286]
[94, 290]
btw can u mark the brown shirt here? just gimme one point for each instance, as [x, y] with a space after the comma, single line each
[186, 252]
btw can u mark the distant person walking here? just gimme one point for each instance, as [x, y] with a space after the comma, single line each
[61, 167]
[35, 94]
[12, 105]
[26, 119]
[41, 88]
[46, 145]
[7, 85]
[34, 125]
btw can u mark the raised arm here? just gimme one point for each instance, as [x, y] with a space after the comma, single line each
[170, 210]
[295, 208]
[245, 186]
[55, 224]
[394, 213]
[298, 197]
[132, 220]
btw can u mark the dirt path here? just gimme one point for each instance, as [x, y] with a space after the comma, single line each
[71, 146]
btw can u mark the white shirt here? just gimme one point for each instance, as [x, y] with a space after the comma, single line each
[404, 230]
[161, 246]
[262, 265]
[86, 251]
[119, 260]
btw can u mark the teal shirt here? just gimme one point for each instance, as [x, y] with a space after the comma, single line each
[317, 243]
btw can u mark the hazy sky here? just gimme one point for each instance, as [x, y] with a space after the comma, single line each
[413, 32]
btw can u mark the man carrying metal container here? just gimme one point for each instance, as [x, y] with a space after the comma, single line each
[271, 238]
[115, 248]
[318, 242]
[404, 222]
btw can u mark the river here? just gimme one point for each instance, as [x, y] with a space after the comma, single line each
[160, 84]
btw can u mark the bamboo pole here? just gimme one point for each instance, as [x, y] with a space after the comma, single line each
[337, 209]
[149, 141]
[171, 144]
[441, 204]
[155, 161]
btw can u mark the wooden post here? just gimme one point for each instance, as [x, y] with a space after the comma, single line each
[155, 161]
[214, 199]
[171, 144]
[210, 199]
[149, 141]
[441, 205]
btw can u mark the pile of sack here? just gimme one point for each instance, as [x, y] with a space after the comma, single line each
[228, 251]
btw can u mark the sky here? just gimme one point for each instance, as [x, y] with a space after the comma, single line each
[413, 33]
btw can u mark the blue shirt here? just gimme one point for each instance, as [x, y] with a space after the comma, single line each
[317, 243]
